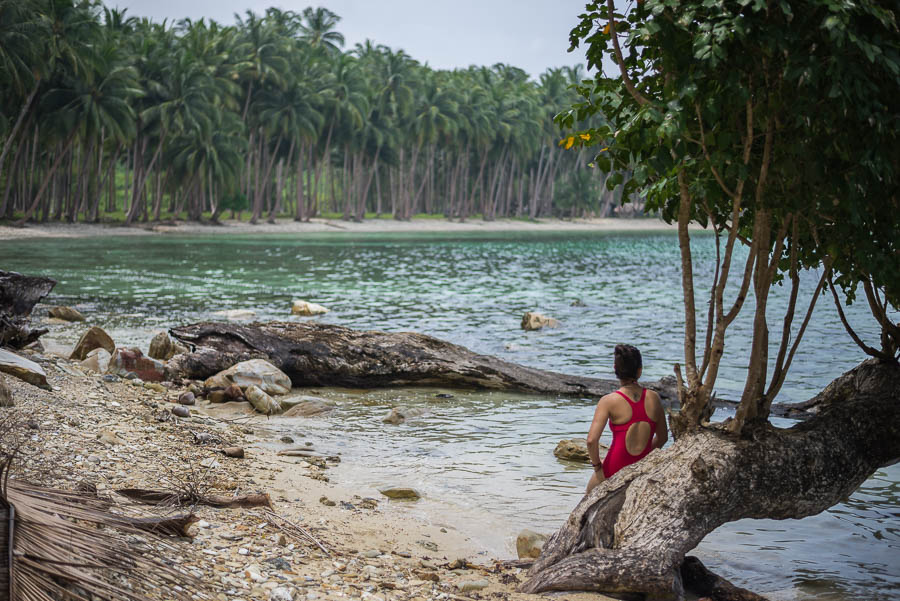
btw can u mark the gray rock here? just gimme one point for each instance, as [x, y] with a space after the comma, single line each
[536, 321]
[255, 372]
[23, 369]
[6, 399]
[529, 544]
[66, 313]
[261, 401]
[181, 411]
[400, 492]
[186, 398]
[94, 338]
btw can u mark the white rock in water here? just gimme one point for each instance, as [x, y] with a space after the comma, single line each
[398, 415]
[235, 314]
[536, 321]
[24, 369]
[255, 372]
[261, 401]
[302, 307]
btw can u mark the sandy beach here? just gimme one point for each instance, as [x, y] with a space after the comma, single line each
[114, 433]
[290, 227]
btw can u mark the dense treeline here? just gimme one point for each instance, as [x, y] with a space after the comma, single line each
[107, 115]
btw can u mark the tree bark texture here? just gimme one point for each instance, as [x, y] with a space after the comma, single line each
[18, 296]
[314, 354]
[631, 533]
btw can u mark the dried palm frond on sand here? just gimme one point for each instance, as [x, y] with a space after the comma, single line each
[59, 544]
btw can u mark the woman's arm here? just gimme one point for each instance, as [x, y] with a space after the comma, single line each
[659, 416]
[601, 416]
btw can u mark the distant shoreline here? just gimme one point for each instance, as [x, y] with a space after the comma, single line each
[289, 226]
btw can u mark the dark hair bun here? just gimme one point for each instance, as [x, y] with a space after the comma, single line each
[627, 362]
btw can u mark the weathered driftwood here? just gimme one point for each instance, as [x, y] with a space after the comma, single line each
[314, 354]
[18, 296]
[175, 525]
[631, 533]
[703, 583]
[179, 499]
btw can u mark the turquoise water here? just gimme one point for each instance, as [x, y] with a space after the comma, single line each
[472, 289]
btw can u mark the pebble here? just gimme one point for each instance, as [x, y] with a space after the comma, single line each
[287, 439]
[202, 524]
[243, 551]
[93, 459]
[371, 554]
[186, 398]
[472, 585]
[327, 502]
[281, 594]
[181, 411]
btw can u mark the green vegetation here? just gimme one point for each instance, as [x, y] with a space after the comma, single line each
[777, 125]
[103, 113]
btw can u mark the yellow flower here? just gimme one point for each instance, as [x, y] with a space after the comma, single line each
[569, 142]
[585, 137]
[606, 29]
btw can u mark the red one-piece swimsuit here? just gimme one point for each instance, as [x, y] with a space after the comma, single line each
[618, 455]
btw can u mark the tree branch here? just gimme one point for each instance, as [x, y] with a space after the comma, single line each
[629, 85]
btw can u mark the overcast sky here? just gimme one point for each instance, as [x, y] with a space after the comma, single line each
[530, 34]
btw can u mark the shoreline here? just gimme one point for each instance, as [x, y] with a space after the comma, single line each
[334, 226]
[117, 433]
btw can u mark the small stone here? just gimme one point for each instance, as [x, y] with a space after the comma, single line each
[577, 303]
[66, 313]
[529, 544]
[431, 546]
[186, 398]
[243, 551]
[155, 387]
[371, 554]
[217, 396]
[368, 503]
[6, 399]
[261, 401]
[279, 563]
[236, 452]
[209, 462]
[574, 449]
[399, 492]
[427, 575]
[281, 594]
[281, 540]
[202, 524]
[327, 502]
[181, 411]
[301, 307]
[472, 585]
[536, 321]
[287, 439]
[109, 437]
[96, 337]
[93, 459]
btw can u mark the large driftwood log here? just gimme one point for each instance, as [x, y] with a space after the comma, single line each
[631, 533]
[18, 296]
[314, 354]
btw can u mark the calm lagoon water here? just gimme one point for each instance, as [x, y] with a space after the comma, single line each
[485, 459]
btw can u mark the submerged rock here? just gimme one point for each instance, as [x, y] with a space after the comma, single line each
[398, 415]
[125, 361]
[529, 544]
[302, 307]
[65, 313]
[97, 360]
[23, 369]
[162, 347]
[536, 321]
[94, 338]
[308, 408]
[261, 401]
[255, 372]
[574, 449]
[400, 492]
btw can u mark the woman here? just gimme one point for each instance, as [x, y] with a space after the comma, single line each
[635, 416]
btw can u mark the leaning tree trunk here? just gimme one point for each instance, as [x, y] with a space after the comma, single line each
[631, 533]
[18, 296]
[314, 354]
